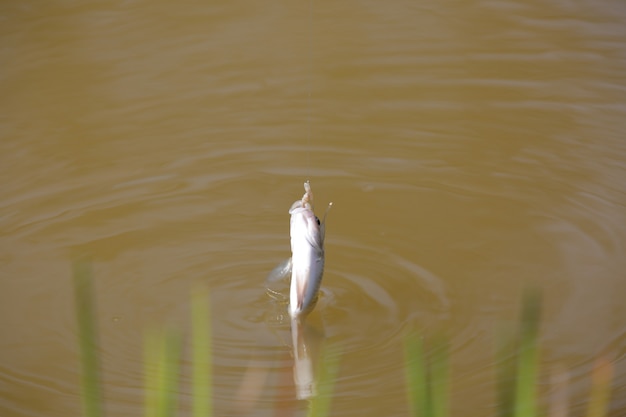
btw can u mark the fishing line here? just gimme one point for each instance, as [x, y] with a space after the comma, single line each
[309, 122]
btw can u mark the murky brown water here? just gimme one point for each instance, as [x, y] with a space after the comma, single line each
[469, 148]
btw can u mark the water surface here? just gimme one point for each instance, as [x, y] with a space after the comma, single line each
[470, 149]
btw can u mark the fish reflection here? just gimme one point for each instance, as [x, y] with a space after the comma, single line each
[306, 345]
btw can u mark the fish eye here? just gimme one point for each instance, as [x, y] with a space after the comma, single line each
[317, 219]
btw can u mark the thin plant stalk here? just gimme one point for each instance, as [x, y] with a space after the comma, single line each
[528, 363]
[328, 371]
[87, 336]
[439, 384]
[427, 379]
[162, 355]
[416, 376]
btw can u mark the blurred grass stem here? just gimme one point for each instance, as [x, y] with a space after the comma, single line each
[87, 338]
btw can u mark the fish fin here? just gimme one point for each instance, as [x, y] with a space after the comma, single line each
[282, 271]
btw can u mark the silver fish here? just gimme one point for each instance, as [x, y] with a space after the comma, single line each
[307, 254]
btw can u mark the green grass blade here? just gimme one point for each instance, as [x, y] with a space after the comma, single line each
[201, 352]
[170, 358]
[527, 368]
[328, 371]
[162, 355]
[87, 335]
[416, 376]
[440, 381]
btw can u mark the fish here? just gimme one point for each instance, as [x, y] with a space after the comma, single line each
[307, 254]
[306, 264]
